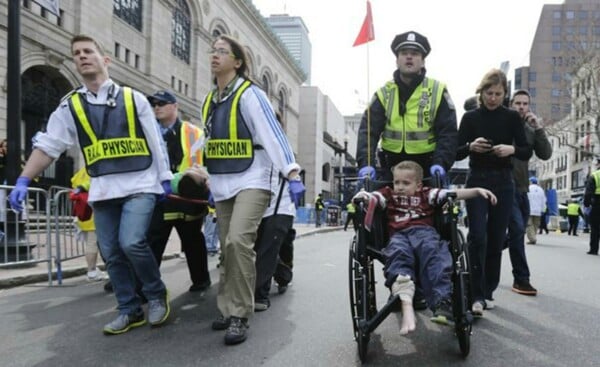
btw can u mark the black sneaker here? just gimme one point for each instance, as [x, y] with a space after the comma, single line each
[419, 304]
[221, 323]
[108, 288]
[442, 313]
[524, 288]
[200, 287]
[236, 332]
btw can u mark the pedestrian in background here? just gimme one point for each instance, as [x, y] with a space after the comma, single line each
[412, 114]
[319, 206]
[591, 202]
[351, 216]
[211, 232]
[238, 113]
[573, 214]
[80, 182]
[125, 180]
[544, 221]
[537, 203]
[490, 136]
[186, 217]
[519, 221]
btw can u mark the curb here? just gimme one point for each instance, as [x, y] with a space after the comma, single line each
[82, 270]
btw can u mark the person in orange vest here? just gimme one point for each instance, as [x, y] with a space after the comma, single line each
[187, 218]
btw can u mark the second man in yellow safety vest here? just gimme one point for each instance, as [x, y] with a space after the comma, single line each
[187, 218]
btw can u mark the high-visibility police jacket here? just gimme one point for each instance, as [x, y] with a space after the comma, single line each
[573, 209]
[188, 134]
[111, 138]
[596, 175]
[230, 148]
[350, 208]
[413, 131]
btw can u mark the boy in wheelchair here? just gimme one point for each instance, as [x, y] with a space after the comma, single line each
[414, 241]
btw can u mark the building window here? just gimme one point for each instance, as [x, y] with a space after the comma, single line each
[59, 21]
[556, 77]
[570, 14]
[130, 11]
[127, 54]
[583, 30]
[117, 50]
[596, 30]
[266, 84]
[570, 30]
[583, 14]
[556, 15]
[180, 31]
[27, 4]
[533, 92]
[282, 103]
[172, 82]
[186, 89]
[556, 30]
[137, 61]
[556, 45]
[532, 76]
[555, 92]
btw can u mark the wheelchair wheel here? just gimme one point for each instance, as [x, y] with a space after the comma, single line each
[462, 296]
[362, 297]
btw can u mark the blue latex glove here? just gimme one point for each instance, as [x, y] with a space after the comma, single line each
[19, 193]
[296, 189]
[211, 200]
[436, 168]
[166, 185]
[367, 171]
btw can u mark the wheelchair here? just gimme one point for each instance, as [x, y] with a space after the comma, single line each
[366, 246]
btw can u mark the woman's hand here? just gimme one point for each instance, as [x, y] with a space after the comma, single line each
[480, 145]
[503, 150]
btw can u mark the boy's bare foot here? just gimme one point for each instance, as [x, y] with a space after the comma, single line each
[409, 321]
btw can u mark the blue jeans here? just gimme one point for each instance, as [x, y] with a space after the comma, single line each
[211, 231]
[487, 229]
[516, 237]
[121, 226]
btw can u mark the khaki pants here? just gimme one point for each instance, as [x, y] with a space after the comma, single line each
[532, 227]
[238, 219]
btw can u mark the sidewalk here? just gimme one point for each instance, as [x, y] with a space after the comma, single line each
[13, 277]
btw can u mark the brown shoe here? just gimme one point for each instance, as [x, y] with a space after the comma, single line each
[524, 288]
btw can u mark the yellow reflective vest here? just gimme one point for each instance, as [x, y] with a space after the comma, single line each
[413, 131]
[596, 175]
[573, 209]
[189, 134]
[111, 137]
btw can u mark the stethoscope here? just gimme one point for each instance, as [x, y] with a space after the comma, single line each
[110, 100]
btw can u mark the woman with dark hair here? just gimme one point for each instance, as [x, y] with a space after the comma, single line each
[246, 145]
[490, 135]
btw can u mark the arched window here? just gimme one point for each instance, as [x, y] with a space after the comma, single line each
[266, 84]
[282, 103]
[180, 31]
[130, 11]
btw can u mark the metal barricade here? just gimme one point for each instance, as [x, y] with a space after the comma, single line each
[25, 236]
[63, 229]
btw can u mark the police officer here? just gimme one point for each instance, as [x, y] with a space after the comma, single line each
[412, 114]
[187, 218]
[124, 156]
[591, 202]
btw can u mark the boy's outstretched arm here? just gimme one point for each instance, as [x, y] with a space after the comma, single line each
[473, 192]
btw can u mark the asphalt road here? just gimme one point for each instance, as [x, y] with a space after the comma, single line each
[310, 324]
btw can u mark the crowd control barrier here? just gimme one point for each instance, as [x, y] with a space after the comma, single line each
[44, 232]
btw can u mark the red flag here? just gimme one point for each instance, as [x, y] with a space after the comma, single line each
[367, 33]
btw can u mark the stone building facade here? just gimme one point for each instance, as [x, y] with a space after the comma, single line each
[154, 45]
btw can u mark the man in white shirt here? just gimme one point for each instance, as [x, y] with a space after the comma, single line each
[128, 165]
[537, 205]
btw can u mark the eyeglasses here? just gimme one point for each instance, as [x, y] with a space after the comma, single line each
[220, 52]
[159, 104]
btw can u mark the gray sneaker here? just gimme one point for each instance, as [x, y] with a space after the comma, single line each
[124, 322]
[158, 310]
